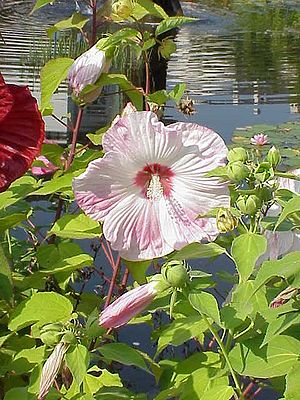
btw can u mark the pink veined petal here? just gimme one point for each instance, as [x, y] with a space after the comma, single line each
[143, 138]
[127, 306]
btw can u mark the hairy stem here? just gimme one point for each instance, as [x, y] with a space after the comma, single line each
[225, 355]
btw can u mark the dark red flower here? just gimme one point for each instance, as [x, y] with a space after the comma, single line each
[21, 132]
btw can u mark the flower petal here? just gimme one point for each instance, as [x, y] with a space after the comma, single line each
[21, 132]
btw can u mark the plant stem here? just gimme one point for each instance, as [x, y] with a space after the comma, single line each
[94, 22]
[113, 282]
[74, 138]
[225, 355]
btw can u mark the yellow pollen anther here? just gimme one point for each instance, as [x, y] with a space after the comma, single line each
[155, 189]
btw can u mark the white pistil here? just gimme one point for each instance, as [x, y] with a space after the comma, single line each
[155, 189]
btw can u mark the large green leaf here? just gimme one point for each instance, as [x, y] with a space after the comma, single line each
[26, 359]
[92, 383]
[292, 390]
[197, 250]
[246, 249]
[124, 354]
[274, 359]
[78, 226]
[291, 207]
[281, 324]
[78, 359]
[179, 331]
[41, 3]
[286, 267]
[125, 85]
[52, 74]
[171, 23]
[6, 284]
[148, 6]
[64, 257]
[12, 220]
[77, 21]
[206, 304]
[42, 308]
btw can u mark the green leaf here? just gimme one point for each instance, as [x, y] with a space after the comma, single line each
[281, 324]
[291, 206]
[274, 359]
[41, 3]
[171, 23]
[57, 184]
[129, 89]
[78, 359]
[177, 92]
[17, 191]
[197, 250]
[138, 269]
[179, 331]
[292, 389]
[64, 257]
[124, 354]
[152, 8]
[12, 220]
[53, 152]
[42, 308]
[286, 267]
[26, 359]
[19, 393]
[52, 74]
[246, 249]
[219, 392]
[92, 383]
[76, 21]
[160, 97]
[206, 304]
[78, 226]
[96, 138]
[6, 284]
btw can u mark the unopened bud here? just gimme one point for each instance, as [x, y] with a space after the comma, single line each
[274, 156]
[237, 154]
[249, 205]
[226, 222]
[51, 334]
[69, 337]
[237, 171]
[51, 369]
[175, 273]
[122, 9]
[86, 70]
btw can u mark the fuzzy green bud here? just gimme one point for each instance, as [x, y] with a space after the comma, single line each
[175, 273]
[237, 154]
[69, 337]
[51, 334]
[274, 156]
[249, 205]
[237, 171]
[226, 221]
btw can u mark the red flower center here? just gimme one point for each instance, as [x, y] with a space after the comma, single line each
[155, 180]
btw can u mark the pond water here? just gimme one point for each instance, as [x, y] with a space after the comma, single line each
[241, 64]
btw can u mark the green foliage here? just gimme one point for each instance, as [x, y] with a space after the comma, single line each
[52, 75]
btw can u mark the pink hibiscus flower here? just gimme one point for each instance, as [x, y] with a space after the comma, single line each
[151, 185]
[21, 132]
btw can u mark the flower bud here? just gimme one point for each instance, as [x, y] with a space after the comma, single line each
[175, 273]
[51, 369]
[249, 205]
[237, 154]
[274, 156]
[51, 334]
[69, 337]
[237, 171]
[86, 70]
[226, 221]
[122, 9]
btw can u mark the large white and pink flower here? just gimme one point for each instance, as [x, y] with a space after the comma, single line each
[151, 185]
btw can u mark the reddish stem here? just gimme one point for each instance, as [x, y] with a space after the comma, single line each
[113, 282]
[248, 389]
[74, 138]
[256, 393]
[147, 85]
[125, 279]
[94, 22]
